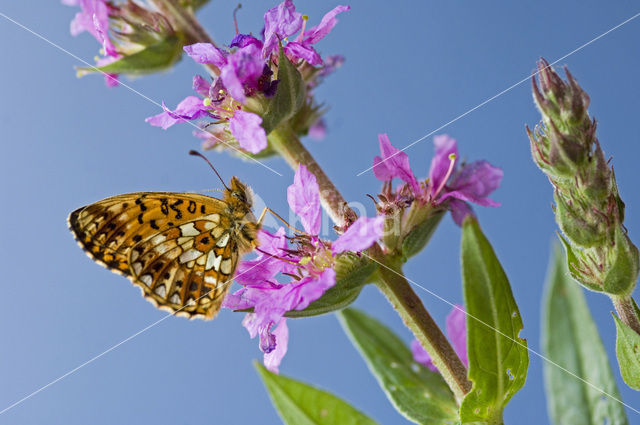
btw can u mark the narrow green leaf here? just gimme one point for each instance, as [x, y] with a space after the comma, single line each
[301, 404]
[570, 339]
[498, 357]
[352, 273]
[289, 97]
[628, 353]
[417, 393]
[156, 57]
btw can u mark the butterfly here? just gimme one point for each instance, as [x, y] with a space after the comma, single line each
[180, 249]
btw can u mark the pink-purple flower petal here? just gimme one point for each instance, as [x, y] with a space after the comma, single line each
[206, 53]
[246, 128]
[293, 49]
[393, 163]
[303, 197]
[360, 235]
[190, 108]
[456, 325]
[243, 68]
[317, 33]
[93, 18]
[474, 183]
[273, 359]
[280, 22]
[445, 146]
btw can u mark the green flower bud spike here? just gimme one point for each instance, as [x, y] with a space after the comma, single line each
[588, 207]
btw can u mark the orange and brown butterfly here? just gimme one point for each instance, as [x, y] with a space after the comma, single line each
[180, 249]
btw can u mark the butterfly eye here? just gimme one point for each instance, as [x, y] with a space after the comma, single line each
[239, 195]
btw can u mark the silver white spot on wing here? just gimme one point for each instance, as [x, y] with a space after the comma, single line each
[189, 230]
[189, 255]
[213, 261]
[146, 279]
[222, 242]
[226, 266]
[161, 290]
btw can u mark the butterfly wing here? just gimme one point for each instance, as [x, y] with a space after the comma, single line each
[178, 248]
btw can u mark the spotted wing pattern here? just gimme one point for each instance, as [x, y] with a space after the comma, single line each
[178, 248]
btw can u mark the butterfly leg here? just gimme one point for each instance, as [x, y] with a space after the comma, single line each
[264, 213]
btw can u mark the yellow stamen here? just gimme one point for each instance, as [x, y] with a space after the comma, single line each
[206, 101]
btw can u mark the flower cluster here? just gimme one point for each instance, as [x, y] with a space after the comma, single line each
[456, 326]
[306, 259]
[122, 30]
[449, 183]
[238, 94]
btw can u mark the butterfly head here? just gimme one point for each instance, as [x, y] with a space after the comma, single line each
[239, 196]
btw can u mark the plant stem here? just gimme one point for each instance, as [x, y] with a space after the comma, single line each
[184, 21]
[287, 144]
[393, 284]
[627, 311]
[415, 316]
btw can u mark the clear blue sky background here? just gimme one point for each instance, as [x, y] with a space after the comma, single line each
[411, 67]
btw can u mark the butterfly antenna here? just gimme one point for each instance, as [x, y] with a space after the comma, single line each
[196, 153]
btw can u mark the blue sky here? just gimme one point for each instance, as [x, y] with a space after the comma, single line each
[411, 68]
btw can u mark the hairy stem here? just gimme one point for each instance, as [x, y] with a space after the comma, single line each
[627, 311]
[287, 144]
[398, 291]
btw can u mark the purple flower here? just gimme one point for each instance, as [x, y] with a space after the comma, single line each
[246, 128]
[282, 22]
[447, 183]
[457, 332]
[310, 259]
[93, 18]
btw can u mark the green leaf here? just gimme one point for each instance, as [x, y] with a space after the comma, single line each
[352, 273]
[628, 353]
[498, 358]
[417, 393]
[301, 404]
[570, 339]
[153, 58]
[420, 235]
[289, 97]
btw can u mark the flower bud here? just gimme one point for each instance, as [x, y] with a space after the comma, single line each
[622, 273]
[579, 224]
